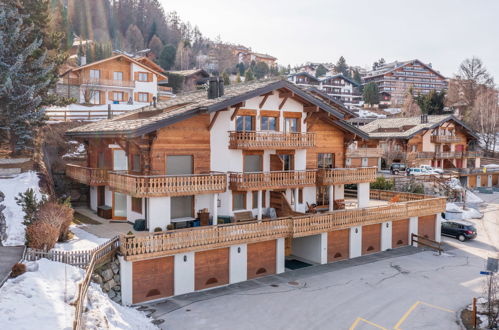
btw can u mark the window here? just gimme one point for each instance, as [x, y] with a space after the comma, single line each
[182, 207]
[95, 99]
[137, 205]
[288, 162]
[325, 160]
[255, 199]
[118, 96]
[245, 123]
[101, 161]
[143, 76]
[300, 195]
[290, 125]
[269, 123]
[252, 163]
[322, 195]
[238, 201]
[94, 74]
[136, 163]
[179, 165]
[118, 75]
[143, 97]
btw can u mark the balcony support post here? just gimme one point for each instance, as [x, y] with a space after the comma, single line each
[331, 197]
[215, 209]
[363, 194]
[259, 214]
[296, 192]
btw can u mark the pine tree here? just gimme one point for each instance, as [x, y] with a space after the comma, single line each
[226, 78]
[238, 78]
[167, 57]
[371, 94]
[25, 76]
[248, 76]
[342, 67]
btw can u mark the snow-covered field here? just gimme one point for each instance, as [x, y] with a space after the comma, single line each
[40, 299]
[13, 212]
[81, 240]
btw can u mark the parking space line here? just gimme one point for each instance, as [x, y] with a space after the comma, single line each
[359, 319]
[413, 307]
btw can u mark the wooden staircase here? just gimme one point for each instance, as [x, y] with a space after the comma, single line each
[281, 205]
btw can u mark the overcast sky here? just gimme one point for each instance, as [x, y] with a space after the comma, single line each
[441, 32]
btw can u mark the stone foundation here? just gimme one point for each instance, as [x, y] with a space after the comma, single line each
[108, 277]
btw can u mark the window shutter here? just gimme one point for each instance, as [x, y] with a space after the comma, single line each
[110, 96]
[149, 97]
[149, 77]
[136, 76]
[102, 97]
[125, 97]
[136, 96]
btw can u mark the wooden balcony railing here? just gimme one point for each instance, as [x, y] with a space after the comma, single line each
[445, 155]
[87, 175]
[270, 140]
[364, 152]
[108, 82]
[209, 237]
[167, 185]
[271, 180]
[445, 139]
[346, 175]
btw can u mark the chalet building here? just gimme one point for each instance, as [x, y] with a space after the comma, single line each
[246, 56]
[256, 172]
[441, 141]
[193, 79]
[396, 78]
[338, 86]
[119, 79]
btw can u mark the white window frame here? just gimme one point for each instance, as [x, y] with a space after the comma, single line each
[95, 99]
[94, 74]
[141, 75]
[121, 98]
[118, 75]
[142, 95]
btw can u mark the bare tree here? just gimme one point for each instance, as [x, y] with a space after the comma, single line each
[491, 291]
[486, 117]
[410, 107]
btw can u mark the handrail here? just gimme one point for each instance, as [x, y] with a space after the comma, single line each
[87, 175]
[273, 179]
[270, 140]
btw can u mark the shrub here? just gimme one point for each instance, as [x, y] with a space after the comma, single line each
[414, 187]
[18, 269]
[42, 235]
[382, 183]
[157, 229]
[169, 226]
[58, 215]
[30, 205]
[130, 233]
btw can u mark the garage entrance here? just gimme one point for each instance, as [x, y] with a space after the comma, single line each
[400, 233]
[338, 245]
[152, 279]
[371, 239]
[211, 268]
[426, 226]
[261, 259]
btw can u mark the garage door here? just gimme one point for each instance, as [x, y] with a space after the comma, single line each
[472, 181]
[338, 245]
[426, 226]
[261, 259]
[211, 268]
[152, 279]
[400, 233]
[371, 239]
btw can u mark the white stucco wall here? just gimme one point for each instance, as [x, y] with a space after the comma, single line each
[355, 242]
[427, 144]
[313, 248]
[386, 235]
[108, 196]
[159, 212]
[413, 228]
[280, 256]
[339, 191]
[438, 227]
[126, 281]
[238, 263]
[183, 273]
[142, 86]
[363, 194]
[93, 198]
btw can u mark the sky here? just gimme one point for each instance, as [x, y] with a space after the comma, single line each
[440, 32]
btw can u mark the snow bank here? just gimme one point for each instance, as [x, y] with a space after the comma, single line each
[82, 240]
[41, 299]
[13, 212]
[454, 212]
[472, 198]
[75, 151]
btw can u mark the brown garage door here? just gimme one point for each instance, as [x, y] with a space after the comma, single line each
[152, 279]
[472, 181]
[211, 268]
[400, 233]
[371, 238]
[426, 226]
[261, 259]
[338, 245]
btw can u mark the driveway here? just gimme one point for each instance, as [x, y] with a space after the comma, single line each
[9, 255]
[401, 289]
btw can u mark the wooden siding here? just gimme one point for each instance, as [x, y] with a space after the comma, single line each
[188, 137]
[426, 226]
[211, 268]
[338, 245]
[152, 279]
[400, 233]
[95, 146]
[261, 259]
[108, 68]
[328, 139]
[371, 239]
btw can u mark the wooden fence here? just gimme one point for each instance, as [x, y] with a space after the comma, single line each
[81, 115]
[432, 244]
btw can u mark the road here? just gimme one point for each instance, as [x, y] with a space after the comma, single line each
[417, 291]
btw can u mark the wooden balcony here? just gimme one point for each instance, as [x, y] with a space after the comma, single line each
[270, 140]
[210, 237]
[446, 155]
[167, 185]
[87, 175]
[445, 139]
[271, 180]
[346, 175]
[364, 152]
[107, 82]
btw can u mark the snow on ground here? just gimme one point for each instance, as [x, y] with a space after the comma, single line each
[369, 114]
[469, 213]
[82, 240]
[41, 299]
[77, 150]
[101, 107]
[13, 213]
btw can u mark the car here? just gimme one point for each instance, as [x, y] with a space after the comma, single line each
[396, 168]
[460, 229]
[432, 170]
[417, 171]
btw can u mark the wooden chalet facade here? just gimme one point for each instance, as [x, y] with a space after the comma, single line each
[259, 172]
[441, 141]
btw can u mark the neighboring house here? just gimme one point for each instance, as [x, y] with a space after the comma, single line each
[192, 78]
[338, 86]
[266, 155]
[119, 79]
[440, 141]
[396, 78]
[246, 56]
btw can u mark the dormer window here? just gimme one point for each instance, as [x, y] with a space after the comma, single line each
[245, 123]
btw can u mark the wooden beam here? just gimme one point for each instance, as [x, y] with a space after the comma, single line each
[282, 103]
[310, 108]
[286, 94]
[307, 117]
[309, 126]
[262, 103]
[235, 113]
[213, 120]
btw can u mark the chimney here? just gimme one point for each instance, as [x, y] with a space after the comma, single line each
[220, 86]
[424, 119]
[213, 88]
[83, 60]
